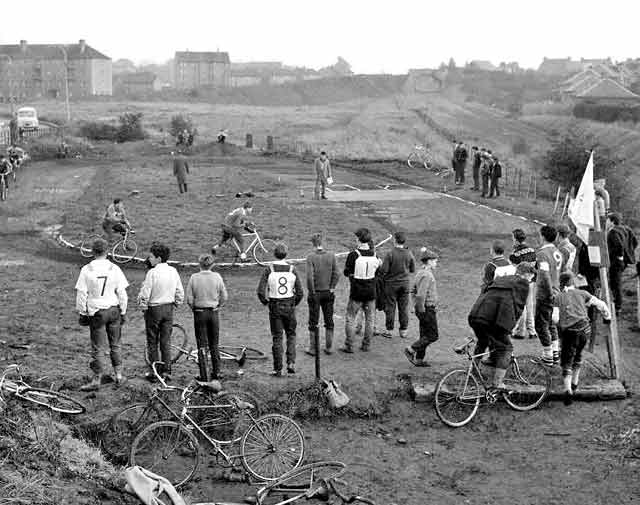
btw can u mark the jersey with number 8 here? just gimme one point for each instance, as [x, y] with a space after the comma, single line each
[103, 285]
[280, 284]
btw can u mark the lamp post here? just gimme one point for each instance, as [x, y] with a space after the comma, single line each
[66, 82]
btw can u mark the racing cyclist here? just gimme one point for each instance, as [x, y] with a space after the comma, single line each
[234, 224]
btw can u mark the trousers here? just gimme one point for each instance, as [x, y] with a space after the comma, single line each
[105, 332]
[282, 319]
[158, 320]
[206, 324]
[399, 295]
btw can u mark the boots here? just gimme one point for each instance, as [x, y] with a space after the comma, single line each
[568, 389]
[328, 341]
[202, 363]
[92, 385]
[120, 379]
[313, 339]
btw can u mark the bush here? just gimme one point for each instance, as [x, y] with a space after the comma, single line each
[98, 130]
[130, 128]
[606, 113]
[180, 123]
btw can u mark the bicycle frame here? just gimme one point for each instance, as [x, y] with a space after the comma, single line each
[256, 240]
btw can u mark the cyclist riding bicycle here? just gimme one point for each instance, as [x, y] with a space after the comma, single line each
[115, 219]
[5, 168]
[16, 155]
[234, 224]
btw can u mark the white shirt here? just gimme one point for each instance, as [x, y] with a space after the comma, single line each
[101, 285]
[161, 285]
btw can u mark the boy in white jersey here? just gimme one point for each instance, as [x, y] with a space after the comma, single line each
[101, 300]
[281, 289]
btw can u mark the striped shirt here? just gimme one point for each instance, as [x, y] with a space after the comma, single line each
[161, 285]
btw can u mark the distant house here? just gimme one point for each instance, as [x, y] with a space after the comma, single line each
[253, 73]
[559, 66]
[202, 69]
[423, 80]
[136, 83]
[482, 65]
[38, 70]
[510, 68]
[607, 91]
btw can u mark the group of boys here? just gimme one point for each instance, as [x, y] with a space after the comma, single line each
[486, 167]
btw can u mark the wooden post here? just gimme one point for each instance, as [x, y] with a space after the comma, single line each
[613, 342]
[519, 180]
[565, 206]
[535, 188]
[529, 186]
[269, 143]
[555, 206]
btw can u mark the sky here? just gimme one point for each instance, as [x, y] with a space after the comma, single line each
[374, 36]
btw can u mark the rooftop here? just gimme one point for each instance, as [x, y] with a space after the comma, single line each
[202, 56]
[24, 51]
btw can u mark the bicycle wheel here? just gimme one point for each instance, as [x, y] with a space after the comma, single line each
[124, 250]
[53, 400]
[415, 161]
[219, 417]
[85, 245]
[528, 382]
[124, 426]
[179, 339]
[302, 479]
[168, 449]
[271, 447]
[234, 352]
[457, 398]
[263, 251]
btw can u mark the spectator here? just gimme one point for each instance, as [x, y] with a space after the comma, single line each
[599, 185]
[360, 267]
[180, 171]
[574, 328]
[477, 161]
[425, 294]
[548, 264]
[523, 253]
[566, 248]
[601, 208]
[161, 292]
[622, 244]
[485, 173]
[493, 316]
[591, 276]
[322, 279]
[206, 295]
[396, 270]
[281, 289]
[497, 266]
[322, 171]
[460, 156]
[496, 174]
[101, 300]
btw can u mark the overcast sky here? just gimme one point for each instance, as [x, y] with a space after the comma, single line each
[374, 36]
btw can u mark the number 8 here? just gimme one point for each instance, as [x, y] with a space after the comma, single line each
[283, 289]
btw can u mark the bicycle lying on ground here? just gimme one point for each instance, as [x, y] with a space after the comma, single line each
[421, 157]
[123, 251]
[269, 446]
[459, 392]
[180, 348]
[261, 249]
[57, 402]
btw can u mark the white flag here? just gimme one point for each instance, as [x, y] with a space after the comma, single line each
[581, 209]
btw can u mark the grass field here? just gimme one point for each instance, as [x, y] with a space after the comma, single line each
[550, 455]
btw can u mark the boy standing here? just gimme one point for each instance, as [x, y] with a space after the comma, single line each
[497, 266]
[322, 278]
[566, 248]
[426, 298]
[281, 289]
[575, 329]
[523, 253]
[360, 267]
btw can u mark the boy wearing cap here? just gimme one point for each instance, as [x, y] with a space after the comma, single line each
[281, 289]
[425, 299]
[205, 296]
[574, 329]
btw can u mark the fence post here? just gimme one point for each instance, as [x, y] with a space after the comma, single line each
[555, 206]
[269, 143]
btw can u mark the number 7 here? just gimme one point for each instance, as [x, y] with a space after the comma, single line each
[104, 283]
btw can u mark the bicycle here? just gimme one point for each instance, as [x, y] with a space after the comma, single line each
[261, 249]
[313, 481]
[422, 156]
[458, 394]
[54, 401]
[123, 251]
[237, 353]
[270, 446]
[4, 189]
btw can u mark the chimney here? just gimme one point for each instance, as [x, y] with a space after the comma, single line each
[83, 45]
[23, 46]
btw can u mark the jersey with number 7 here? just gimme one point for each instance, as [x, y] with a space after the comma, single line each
[101, 285]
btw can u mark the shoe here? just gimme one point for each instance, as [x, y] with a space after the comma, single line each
[291, 369]
[421, 363]
[410, 354]
[276, 373]
[404, 333]
[323, 197]
[310, 352]
[568, 398]
[517, 336]
[574, 387]
[328, 350]
[365, 348]
[346, 349]
[386, 334]
[92, 385]
[533, 335]
[546, 360]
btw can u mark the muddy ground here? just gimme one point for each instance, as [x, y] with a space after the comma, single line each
[552, 455]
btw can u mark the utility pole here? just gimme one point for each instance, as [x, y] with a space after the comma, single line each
[66, 82]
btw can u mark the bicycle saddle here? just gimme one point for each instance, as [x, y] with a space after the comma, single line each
[214, 386]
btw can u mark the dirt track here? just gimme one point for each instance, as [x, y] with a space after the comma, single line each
[546, 456]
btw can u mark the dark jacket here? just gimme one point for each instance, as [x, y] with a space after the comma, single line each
[397, 266]
[522, 253]
[502, 303]
[496, 171]
[362, 290]
[180, 169]
[621, 243]
[298, 291]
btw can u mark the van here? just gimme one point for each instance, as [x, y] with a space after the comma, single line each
[27, 118]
